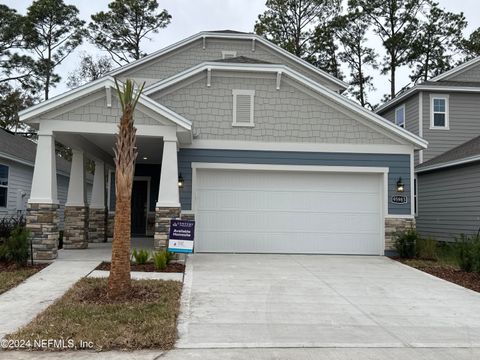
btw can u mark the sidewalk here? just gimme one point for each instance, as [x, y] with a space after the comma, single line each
[21, 304]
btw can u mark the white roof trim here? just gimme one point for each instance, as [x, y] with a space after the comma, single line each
[449, 163]
[34, 111]
[207, 34]
[457, 69]
[421, 87]
[377, 119]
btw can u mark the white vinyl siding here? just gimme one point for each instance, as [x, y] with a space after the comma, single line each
[439, 112]
[228, 54]
[400, 116]
[243, 107]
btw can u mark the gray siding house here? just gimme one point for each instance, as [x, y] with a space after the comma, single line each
[17, 160]
[445, 112]
[255, 144]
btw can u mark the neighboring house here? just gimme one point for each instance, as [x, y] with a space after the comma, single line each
[17, 159]
[445, 112]
[255, 144]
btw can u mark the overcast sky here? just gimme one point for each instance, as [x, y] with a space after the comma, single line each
[192, 16]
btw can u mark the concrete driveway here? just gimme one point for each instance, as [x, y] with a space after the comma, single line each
[258, 301]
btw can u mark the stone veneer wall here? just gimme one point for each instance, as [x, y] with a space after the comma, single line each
[97, 225]
[76, 227]
[162, 225]
[110, 224]
[393, 225]
[42, 221]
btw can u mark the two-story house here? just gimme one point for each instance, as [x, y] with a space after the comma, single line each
[255, 144]
[445, 111]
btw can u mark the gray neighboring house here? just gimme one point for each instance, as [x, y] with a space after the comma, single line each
[445, 111]
[257, 145]
[17, 160]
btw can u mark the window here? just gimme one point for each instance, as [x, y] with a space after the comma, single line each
[3, 185]
[439, 112]
[400, 116]
[243, 101]
[228, 54]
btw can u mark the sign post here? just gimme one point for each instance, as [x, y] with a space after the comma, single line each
[181, 236]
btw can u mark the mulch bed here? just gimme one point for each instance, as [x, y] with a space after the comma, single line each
[148, 267]
[469, 280]
[9, 267]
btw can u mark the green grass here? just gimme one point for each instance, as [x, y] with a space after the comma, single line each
[10, 279]
[144, 319]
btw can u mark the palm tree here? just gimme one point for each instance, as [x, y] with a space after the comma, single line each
[125, 156]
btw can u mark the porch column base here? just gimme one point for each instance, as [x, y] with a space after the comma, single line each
[42, 221]
[97, 225]
[110, 224]
[163, 215]
[394, 225]
[76, 227]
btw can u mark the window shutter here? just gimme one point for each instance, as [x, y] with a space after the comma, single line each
[243, 108]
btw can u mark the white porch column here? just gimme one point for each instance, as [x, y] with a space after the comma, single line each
[168, 203]
[168, 195]
[76, 211]
[44, 182]
[42, 211]
[76, 185]
[98, 189]
[97, 218]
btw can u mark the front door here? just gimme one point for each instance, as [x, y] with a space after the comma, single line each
[139, 207]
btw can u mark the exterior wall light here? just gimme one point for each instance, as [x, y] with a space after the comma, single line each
[400, 185]
[181, 182]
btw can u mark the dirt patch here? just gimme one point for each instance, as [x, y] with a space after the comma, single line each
[11, 275]
[148, 267]
[469, 280]
[14, 267]
[144, 319]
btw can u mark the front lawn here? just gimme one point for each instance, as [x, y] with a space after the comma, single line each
[145, 318]
[12, 275]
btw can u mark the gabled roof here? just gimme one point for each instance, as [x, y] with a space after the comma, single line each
[32, 113]
[228, 34]
[22, 150]
[282, 69]
[458, 69]
[462, 154]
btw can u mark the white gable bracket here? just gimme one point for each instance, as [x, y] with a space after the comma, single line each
[209, 77]
[108, 90]
[253, 44]
[204, 42]
[279, 79]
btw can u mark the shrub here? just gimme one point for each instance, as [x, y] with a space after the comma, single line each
[160, 260]
[170, 255]
[9, 224]
[427, 249]
[468, 252]
[15, 248]
[405, 242]
[140, 256]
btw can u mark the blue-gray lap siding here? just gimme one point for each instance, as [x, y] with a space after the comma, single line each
[449, 202]
[398, 164]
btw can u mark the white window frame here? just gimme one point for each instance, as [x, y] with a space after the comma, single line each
[228, 52]
[6, 186]
[434, 97]
[401, 107]
[251, 93]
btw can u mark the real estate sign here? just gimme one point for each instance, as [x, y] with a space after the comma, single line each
[181, 236]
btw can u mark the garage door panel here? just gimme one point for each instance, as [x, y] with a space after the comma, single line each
[288, 212]
[286, 200]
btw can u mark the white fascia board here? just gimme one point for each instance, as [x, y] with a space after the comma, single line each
[449, 164]
[108, 81]
[421, 87]
[207, 34]
[338, 98]
[457, 69]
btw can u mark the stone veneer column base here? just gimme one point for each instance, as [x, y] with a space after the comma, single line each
[162, 225]
[42, 221]
[110, 224]
[393, 225]
[75, 234]
[97, 225]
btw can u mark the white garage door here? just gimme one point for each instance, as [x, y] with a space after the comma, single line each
[255, 211]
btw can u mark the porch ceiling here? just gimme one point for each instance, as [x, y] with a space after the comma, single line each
[150, 149]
